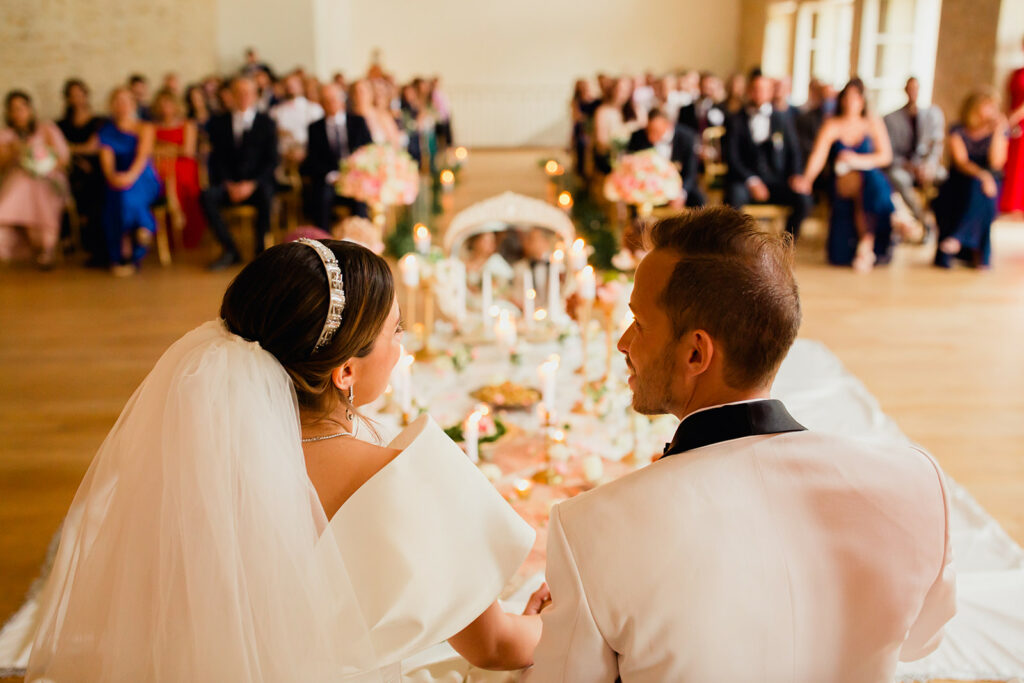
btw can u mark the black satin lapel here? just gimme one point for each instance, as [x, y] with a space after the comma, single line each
[729, 422]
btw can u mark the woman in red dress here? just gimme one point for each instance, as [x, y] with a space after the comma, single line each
[176, 133]
[1012, 198]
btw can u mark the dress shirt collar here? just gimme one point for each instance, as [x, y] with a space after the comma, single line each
[339, 118]
[731, 421]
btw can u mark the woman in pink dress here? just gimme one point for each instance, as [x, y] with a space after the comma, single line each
[33, 185]
[1012, 198]
[178, 136]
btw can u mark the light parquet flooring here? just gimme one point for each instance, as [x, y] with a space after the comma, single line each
[942, 351]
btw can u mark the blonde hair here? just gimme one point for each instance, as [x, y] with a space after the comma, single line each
[973, 102]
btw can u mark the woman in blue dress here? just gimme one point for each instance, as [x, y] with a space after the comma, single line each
[126, 147]
[966, 204]
[857, 144]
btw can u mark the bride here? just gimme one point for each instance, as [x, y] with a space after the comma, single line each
[233, 528]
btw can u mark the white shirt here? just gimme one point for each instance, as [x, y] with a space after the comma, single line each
[241, 122]
[761, 124]
[293, 118]
[664, 146]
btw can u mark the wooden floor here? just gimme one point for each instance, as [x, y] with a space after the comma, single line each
[942, 351]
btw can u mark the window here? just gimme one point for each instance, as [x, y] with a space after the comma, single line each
[824, 34]
[898, 40]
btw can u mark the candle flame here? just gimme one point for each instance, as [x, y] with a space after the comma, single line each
[558, 256]
[540, 314]
[447, 177]
[579, 245]
[551, 168]
[565, 199]
[422, 232]
[531, 294]
[461, 153]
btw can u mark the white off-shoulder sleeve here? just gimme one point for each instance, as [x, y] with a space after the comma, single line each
[428, 543]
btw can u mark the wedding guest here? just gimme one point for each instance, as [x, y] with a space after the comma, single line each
[703, 111]
[581, 111]
[383, 121]
[763, 157]
[139, 87]
[179, 137]
[677, 144]
[312, 88]
[751, 532]
[33, 159]
[860, 223]
[80, 127]
[820, 105]
[643, 92]
[614, 121]
[916, 135]
[663, 91]
[966, 204]
[689, 85]
[339, 80]
[243, 158]
[293, 116]
[172, 84]
[196, 107]
[225, 98]
[254, 65]
[212, 87]
[331, 139]
[417, 123]
[735, 94]
[1012, 197]
[442, 107]
[126, 149]
[266, 96]
[780, 99]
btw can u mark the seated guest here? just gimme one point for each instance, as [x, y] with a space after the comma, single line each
[243, 157]
[33, 159]
[754, 549]
[139, 87]
[372, 101]
[293, 116]
[763, 156]
[705, 110]
[735, 95]
[582, 109]
[860, 223]
[126, 149]
[614, 122]
[172, 84]
[266, 96]
[179, 138]
[330, 141]
[418, 123]
[916, 134]
[780, 99]
[966, 203]
[81, 128]
[442, 108]
[196, 107]
[677, 144]
[820, 105]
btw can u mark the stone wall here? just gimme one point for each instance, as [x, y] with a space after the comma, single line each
[43, 42]
[966, 51]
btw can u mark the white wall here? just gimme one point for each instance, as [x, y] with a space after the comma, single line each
[1009, 39]
[281, 30]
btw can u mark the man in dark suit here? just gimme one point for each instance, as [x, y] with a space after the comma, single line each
[821, 104]
[676, 143]
[705, 110]
[243, 157]
[331, 139]
[763, 155]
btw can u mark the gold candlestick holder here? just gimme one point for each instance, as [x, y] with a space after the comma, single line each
[426, 351]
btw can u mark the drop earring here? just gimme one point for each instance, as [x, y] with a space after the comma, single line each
[351, 403]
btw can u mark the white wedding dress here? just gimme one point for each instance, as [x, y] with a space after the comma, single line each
[196, 548]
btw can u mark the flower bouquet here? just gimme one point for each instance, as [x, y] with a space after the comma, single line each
[491, 429]
[645, 179]
[381, 176]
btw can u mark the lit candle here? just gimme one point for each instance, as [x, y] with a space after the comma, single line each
[471, 432]
[578, 255]
[447, 179]
[555, 302]
[552, 167]
[486, 295]
[548, 372]
[586, 284]
[565, 200]
[522, 487]
[540, 315]
[529, 303]
[505, 331]
[410, 267]
[421, 237]
[461, 153]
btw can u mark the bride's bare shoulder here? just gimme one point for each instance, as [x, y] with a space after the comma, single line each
[339, 467]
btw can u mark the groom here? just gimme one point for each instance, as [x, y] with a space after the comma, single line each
[753, 549]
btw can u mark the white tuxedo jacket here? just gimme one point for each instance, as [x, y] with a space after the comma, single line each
[788, 557]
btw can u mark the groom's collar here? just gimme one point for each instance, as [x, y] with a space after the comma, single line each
[732, 421]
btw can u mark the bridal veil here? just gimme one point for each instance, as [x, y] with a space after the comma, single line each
[194, 549]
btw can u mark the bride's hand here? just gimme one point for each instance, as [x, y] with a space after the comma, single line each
[540, 599]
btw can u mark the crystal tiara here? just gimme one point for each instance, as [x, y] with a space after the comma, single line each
[336, 303]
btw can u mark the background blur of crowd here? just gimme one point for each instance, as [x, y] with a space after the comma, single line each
[742, 141]
[107, 172]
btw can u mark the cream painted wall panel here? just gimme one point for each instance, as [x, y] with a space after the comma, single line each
[43, 42]
[283, 31]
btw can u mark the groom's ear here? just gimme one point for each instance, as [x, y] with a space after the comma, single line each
[696, 349]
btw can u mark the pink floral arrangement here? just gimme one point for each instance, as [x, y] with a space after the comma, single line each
[643, 178]
[379, 174]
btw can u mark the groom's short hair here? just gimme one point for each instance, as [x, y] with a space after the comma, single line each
[735, 281]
